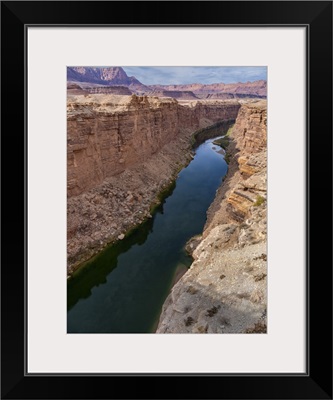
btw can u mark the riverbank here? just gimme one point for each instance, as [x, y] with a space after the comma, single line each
[225, 289]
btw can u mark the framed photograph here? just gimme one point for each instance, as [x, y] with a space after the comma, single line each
[162, 177]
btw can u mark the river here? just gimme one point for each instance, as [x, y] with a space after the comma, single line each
[122, 289]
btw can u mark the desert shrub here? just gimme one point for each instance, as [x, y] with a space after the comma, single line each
[259, 201]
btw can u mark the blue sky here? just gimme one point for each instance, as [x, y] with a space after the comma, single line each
[205, 75]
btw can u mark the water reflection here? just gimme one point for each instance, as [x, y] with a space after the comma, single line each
[123, 289]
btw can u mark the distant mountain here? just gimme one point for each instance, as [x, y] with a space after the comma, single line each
[110, 76]
[116, 76]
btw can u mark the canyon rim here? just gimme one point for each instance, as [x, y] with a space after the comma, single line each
[167, 200]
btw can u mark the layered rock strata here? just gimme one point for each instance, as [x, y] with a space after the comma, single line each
[175, 94]
[121, 152]
[117, 90]
[108, 134]
[256, 88]
[225, 289]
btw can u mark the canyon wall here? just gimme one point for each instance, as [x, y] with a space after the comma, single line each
[106, 135]
[225, 289]
[122, 152]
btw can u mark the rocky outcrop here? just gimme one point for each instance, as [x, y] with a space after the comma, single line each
[250, 128]
[225, 289]
[122, 151]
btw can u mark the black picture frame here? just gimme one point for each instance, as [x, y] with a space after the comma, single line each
[316, 383]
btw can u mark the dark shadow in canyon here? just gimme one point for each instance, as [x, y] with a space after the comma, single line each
[218, 129]
[87, 276]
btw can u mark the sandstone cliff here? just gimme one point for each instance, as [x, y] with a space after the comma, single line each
[122, 151]
[225, 289]
[107, 134]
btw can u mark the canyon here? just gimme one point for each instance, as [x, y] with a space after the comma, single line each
[225, 289]
[122, 151]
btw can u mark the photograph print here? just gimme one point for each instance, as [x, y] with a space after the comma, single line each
[167, 199]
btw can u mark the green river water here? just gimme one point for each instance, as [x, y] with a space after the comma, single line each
[122, 289]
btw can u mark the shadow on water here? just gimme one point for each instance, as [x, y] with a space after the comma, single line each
[123, 288]
[95, 271]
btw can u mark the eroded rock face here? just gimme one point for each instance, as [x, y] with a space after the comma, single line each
[122, 151]
[225, 290]
[250, 128]
[107, 134]
[251, 138]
